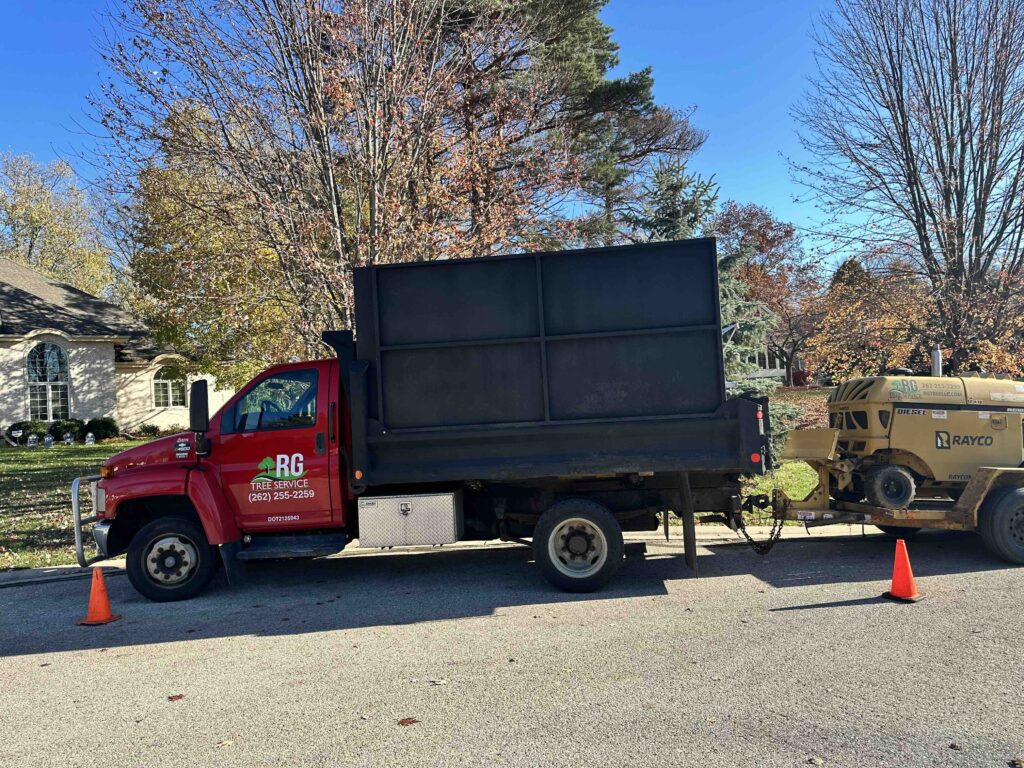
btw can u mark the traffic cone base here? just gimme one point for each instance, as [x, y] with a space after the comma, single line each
[896, 598]
[99, 603]
[903, 588]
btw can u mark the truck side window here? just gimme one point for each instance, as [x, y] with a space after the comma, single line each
[281, 401]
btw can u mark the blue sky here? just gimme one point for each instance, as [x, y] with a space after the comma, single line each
[742, 63]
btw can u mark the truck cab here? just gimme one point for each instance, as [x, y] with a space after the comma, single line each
[269, 460]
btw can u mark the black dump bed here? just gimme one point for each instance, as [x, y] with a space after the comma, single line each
[570, 363]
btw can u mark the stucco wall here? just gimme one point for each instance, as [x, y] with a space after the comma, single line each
[90, 369]
[135, 403]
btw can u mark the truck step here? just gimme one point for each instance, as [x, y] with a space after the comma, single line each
[298, 545]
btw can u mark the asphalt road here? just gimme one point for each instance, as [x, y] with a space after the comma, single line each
[787, 660]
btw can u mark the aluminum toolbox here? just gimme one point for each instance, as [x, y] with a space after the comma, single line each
[416, 519]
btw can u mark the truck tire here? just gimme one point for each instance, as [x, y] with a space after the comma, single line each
[889, 486]
[1001, 524]
[170, 559]
[578, 545]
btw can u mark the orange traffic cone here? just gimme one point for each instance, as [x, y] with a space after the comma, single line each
[903, 587]
[99, 604]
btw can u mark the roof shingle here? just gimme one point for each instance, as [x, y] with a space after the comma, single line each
[32, 301]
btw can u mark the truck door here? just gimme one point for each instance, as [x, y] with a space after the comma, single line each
[272, 451]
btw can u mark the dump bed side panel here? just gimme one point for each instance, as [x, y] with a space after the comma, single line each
[577, 362]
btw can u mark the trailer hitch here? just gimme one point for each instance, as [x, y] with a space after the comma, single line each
[760, 502]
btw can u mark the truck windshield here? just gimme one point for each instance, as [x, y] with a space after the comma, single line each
[280, 401]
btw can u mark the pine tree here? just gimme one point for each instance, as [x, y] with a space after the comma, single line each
[678, 204]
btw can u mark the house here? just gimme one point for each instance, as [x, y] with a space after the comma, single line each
[66, 354]
[768, 365]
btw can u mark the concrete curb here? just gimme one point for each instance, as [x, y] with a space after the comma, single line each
[29, 576]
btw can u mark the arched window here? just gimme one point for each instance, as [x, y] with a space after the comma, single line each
[168, 389]
[48, 383]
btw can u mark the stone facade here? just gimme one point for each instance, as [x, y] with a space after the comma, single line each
[97, 385]
[98, 361]
[90, 375]
[137, 402]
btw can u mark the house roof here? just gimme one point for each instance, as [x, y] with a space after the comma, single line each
[31, 301]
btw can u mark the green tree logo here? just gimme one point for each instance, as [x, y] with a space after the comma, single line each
[267, 471]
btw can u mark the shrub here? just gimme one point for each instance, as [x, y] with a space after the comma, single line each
[28, 428]
[785, 417]
[146, 430]
[102, 428]
[75, 426]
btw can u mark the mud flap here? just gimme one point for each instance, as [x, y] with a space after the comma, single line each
[234, 569]
[689, 523]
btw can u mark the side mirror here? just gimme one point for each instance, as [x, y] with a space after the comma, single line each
[199, 407]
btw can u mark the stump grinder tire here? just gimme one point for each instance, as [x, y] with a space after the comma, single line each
[170, 559]
[889, 486]
[578, 545]
[1001, 524]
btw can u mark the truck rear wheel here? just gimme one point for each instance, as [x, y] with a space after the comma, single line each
[578, 545]
[889, 486]
[170, 559]
[1001, 524]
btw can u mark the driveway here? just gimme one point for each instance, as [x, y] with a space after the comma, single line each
[786, 660]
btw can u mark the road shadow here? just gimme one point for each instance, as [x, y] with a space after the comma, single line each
[363, 589]
[817, 560]
[830, 604]
[299, 596]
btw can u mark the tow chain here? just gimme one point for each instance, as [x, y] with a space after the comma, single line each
[761, 502]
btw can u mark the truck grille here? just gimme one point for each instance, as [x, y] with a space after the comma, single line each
[848, 420]
[851, 390]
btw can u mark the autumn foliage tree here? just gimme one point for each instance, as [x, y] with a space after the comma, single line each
[48, 223]
[366, 131]
[779, 274]
[871, 321]
[196, 270]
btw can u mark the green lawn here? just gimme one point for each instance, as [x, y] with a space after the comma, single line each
[35, 501]
[796, 478]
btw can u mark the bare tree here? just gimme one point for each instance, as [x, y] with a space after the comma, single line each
[359, 130]
[915, 125]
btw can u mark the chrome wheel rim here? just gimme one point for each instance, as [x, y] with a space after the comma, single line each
[171, 560]
[577, 548]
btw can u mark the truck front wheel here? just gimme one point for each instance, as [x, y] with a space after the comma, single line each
[1001, 524]
[578, 545]
[170, 559]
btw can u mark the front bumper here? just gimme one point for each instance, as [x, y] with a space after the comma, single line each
[98, 501]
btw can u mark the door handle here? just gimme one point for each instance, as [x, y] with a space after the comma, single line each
[321, 443]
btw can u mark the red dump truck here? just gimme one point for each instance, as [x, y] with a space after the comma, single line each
[561, 397]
